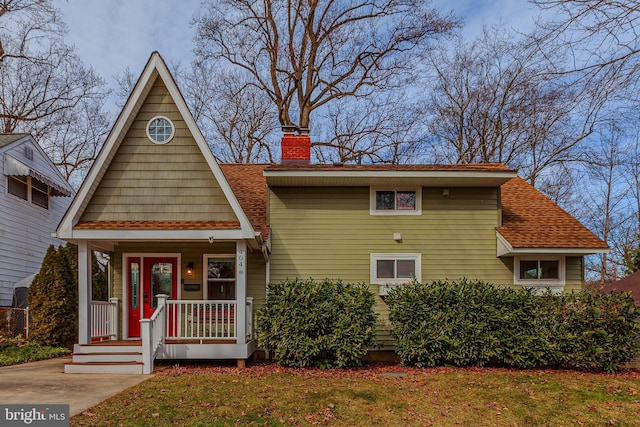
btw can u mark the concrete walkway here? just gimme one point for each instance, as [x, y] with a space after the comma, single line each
[45, 382]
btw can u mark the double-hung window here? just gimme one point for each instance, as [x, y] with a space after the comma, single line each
[220, 278]
[29, 189]
[395, 201]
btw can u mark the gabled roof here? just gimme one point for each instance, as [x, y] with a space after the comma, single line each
[8, 138]
[630, 283]
[46, 173]
[154, 69]
[531, 222]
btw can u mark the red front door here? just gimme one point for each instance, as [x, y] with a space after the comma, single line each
[149, 277]
[160, 277]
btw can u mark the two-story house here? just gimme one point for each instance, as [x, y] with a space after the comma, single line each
[194, 243]
[33, 198]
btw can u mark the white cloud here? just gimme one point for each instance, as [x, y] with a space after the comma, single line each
[116, 34]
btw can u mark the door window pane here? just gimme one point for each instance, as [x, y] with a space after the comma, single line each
[135, 273]
[161, 274]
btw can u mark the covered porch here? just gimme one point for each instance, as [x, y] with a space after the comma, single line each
[188, 304]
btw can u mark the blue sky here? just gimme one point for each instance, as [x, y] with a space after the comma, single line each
[115, 34]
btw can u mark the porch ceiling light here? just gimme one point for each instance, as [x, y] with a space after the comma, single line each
[190, 269]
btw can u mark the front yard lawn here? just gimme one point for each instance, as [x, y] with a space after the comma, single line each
[13, 352]
[387, 395]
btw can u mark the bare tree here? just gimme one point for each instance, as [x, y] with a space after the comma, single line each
[44, 86]
[237, 119]
[604, 204]
[73, 144]
[600, 35]
[385, 129]
[632, 181]
[492, 100]
[124, 84]
[306, 54]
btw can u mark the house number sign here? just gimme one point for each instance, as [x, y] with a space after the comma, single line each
[241, 257]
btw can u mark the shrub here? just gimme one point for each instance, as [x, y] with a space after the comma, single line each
[317, 323]
[53, 299]
[468, 322]
[592, 331]
[16, 351]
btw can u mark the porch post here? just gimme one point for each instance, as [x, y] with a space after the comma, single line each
[84, 292]
[241, 291]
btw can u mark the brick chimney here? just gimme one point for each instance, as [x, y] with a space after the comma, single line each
[296, 148]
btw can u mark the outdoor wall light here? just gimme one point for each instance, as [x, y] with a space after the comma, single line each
[190, 269]
[445, 192]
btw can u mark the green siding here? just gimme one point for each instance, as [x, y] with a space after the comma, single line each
[328, 232]
[146, 181]
[256, 282]
[574, 278]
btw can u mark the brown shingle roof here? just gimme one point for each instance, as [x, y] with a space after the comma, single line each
[156, 225]
[628, 284]
[250, 187]
[531, 220]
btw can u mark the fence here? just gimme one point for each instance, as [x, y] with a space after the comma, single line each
[14, 322]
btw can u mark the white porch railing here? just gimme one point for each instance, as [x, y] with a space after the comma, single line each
[202, 320]
[104, 319]
[191, 319]
[153, 332]
[249, 323]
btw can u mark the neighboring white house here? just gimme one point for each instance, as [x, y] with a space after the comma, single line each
[33, 198]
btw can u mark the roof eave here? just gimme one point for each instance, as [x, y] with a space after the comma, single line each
[151, 234]
[454, 178]
[506, 249]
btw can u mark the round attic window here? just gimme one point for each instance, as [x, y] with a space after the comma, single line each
[160, 130]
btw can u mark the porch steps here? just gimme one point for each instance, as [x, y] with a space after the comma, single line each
[111, 357]
[114, 357]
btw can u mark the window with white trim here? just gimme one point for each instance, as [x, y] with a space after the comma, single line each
[160, 130]
[220, 277]
[540, 272]
[29, 189]
[395, 201]
[395, 268]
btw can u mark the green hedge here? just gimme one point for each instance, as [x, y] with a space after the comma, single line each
[317, 323]
[473, 323]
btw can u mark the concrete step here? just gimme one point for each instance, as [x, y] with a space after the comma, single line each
[129, 368]
[108, 357]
